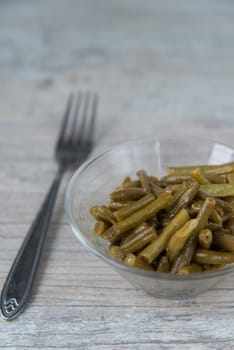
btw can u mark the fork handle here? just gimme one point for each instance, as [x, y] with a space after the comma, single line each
[18, 286]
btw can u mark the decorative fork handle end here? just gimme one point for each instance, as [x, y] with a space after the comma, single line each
[9, 308]
[18, 286]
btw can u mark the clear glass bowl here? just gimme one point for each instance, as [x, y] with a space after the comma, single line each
[95, 180]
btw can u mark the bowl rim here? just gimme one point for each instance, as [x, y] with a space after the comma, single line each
[108, 259]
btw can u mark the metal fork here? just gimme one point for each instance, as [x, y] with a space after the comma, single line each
[74, 144]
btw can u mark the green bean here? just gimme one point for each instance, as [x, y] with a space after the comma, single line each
[176, 179]
[219, 169]
[214, 215]
[143, 214]
[133, 207]
[207, 169]
[126, 181]
[102, 212]
[138, 241]
[191, 268]
[223, 204]
[144, 180]
[136, 183]
[163, 265]
[224, 241]
[179, 192]
[178, 239]
[199, 176]
[230, 178]
[153, 179]
[183, 201]
[127, 193]
[217, 179]
[186, 255]
[118, 205]
[135, 261]
[211, 257]
[132, 183]
[182, 170]
[129, 235]
[110, 235]
[218, 190]
[100, 227]
[94, 212]
[116, 252]
[152, 251]
[155, 189]
[205, 238]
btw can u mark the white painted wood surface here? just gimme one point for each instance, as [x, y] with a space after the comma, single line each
[158, 67]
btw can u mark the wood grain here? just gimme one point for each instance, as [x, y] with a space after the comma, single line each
[159, 68]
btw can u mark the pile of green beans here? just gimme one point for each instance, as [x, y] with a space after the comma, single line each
[182, 223]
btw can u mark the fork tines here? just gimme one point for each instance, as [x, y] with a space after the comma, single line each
[78, 122]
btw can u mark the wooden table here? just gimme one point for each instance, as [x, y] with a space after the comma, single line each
[158, 67]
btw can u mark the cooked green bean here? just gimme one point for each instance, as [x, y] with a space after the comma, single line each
[218, 190]
[129, 235]
[191, 268]
[152, 251]
[100, 227]
[187, 253]
[230, 178]
[126, 181]
[118, 205]
[123, 213]
[163, 265]
[138, 241]
[136, 183]
[222, 203]
[207, 169]
[94, 212]
[217, 179]
[143, 214]
[144, 180]
[176, 196]
[102, 212]
[116, 252]
[205, 238]
[183, 201]
[223, 241]
[110, 235]
[214, 215]
[135, 261]
[176, 179]
[211, 257]
[199, 176]
[132, 183]
[155, 189]
[127, 193]
[178, 239]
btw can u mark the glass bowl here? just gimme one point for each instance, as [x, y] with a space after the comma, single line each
[92, 183]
